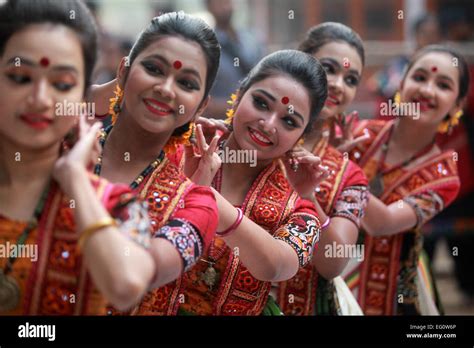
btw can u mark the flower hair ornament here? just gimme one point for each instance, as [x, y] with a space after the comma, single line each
[115, 102]
[230, 112]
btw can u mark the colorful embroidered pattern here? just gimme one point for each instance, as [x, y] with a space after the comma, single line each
[426, 206]
[307, 293]
[301, 233]
[389, 267]
[136, 224]
[185, 238]
[351, 203]
[58, 282]
[270, 203]
[163, 191]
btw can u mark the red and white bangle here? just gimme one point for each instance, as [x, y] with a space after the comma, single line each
[233, 227]
[326, 223]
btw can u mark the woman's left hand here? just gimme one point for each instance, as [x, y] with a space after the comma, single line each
[308, 174]
[81, 157]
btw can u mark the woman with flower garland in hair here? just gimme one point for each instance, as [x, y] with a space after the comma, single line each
[341, 197]
[74, 225]
[162, 86]
[411, 181]
[272, 231]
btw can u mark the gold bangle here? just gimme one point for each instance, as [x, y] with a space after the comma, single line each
[106, 222]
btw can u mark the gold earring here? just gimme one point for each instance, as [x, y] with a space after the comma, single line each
[448, 125]
[397, 98]
[458, 115]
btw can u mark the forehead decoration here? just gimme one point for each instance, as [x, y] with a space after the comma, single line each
[44, 62]
[177, 65]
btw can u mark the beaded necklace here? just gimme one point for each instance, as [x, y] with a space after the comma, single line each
[139, 179]
[9, 289]
[376, 185]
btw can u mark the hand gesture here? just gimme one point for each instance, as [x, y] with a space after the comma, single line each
[304, 171]
[210, 126]
[202, 165]
[346, 141]
[82, 156]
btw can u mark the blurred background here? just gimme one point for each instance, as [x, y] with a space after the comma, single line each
[391, 29]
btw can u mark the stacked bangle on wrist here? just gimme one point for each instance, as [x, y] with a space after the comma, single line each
[326, 223]
[88, 231]
[233, 227]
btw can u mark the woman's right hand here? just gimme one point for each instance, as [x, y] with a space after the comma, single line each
[210, 126]
[345, 142]
[202, 166]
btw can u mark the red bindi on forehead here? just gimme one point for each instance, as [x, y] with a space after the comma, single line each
[44, 62]
[177, 64]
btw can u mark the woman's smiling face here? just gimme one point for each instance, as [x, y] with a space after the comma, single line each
[165, 85]
[41, 67]
[433, 83]
[343, 67]
[271, 116]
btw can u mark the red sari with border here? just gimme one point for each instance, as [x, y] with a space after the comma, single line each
[308, 293]
[385, 281]
[57, 283]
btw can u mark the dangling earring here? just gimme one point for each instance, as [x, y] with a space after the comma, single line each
[397, 98]
[186, 138]
[447, 126]
[114, 106]
[192, 138]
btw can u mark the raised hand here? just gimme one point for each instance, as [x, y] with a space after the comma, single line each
[202, 161]
[210, 126]
[304, 171]
[81, 157]
[346, 141]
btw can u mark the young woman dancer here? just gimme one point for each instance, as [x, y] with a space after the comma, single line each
[274, 231]
[66, 229]
[162, 86]
[411, 181]
[341, 197]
